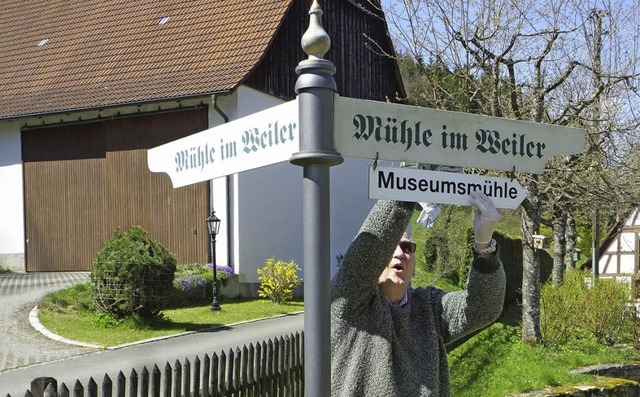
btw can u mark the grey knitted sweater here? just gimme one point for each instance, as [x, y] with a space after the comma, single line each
[379, 349]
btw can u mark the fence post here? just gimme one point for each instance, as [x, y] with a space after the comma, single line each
[206, 371]
[196, 377]
[64, 391]
[177, 379]
[133, 384]
[121, 382]
[50, 391]
[107, 386]
[167, 380]
[78, 389]
[155, 381]
[92, 388]
[39, 385]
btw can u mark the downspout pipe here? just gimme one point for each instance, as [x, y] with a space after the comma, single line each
[214, 99]
[227, 183]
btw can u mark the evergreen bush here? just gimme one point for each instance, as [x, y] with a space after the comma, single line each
[132, 274]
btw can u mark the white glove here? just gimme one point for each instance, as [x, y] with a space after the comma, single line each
[429, 214]
[485, 222]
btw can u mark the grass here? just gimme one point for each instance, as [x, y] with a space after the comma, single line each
[4, 270]
[69, 313]
[495, 362]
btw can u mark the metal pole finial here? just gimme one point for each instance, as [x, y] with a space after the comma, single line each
[315, 41]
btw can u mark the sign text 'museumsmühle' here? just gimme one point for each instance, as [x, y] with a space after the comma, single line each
[408, 184]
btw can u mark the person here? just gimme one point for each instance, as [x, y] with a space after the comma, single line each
[387, 338]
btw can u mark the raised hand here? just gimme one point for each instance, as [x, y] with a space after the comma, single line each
[486, 218]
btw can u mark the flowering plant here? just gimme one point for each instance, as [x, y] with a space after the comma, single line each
[224, 269]
[194, 281]
[194, 287]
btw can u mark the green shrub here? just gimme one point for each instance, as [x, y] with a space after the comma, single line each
[132, 274]
[278, 279]
[561, 308]
[606, 311]
[512, 262]
[573, 311]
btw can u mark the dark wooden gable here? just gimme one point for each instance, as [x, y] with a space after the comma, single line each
[355, 32]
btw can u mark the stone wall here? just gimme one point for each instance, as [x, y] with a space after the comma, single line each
[617, 380]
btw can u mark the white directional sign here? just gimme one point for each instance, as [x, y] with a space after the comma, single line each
[257, 140]
[415, 185]
[408, 133]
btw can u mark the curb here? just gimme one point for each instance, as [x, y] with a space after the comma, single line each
[35, 323]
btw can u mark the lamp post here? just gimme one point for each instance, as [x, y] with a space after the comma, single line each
[213, 224]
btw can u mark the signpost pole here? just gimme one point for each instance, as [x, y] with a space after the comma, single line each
[315, 88]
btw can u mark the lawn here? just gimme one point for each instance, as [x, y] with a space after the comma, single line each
[495, 362]
[69, 313]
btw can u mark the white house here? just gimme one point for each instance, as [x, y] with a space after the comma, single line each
[86, 91]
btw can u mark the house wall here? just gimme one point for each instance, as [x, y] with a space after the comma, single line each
[11, 198]
[627, 264]
[628, 242]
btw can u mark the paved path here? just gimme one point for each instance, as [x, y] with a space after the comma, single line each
[26, 354]
[20, 344]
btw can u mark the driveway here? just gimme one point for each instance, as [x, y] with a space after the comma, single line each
[21, 345]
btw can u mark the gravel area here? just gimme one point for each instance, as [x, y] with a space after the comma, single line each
[20, 344]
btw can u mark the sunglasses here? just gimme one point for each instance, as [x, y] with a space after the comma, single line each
[408, 247]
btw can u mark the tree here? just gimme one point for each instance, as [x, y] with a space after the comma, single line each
[566, 62]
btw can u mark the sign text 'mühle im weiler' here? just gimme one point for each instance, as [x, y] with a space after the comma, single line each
[421, 135]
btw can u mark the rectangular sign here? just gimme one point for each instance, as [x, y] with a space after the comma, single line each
[410, 184]
[422, 135]
[257, 140]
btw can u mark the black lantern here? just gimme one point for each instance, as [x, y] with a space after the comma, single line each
[213, 224]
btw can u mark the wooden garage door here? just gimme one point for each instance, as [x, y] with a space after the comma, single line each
[84, 181]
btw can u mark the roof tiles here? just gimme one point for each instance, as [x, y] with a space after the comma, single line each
[106, 53]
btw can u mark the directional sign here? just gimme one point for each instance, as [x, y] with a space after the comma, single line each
[257, 140]
[421, 135]
[414, 185]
